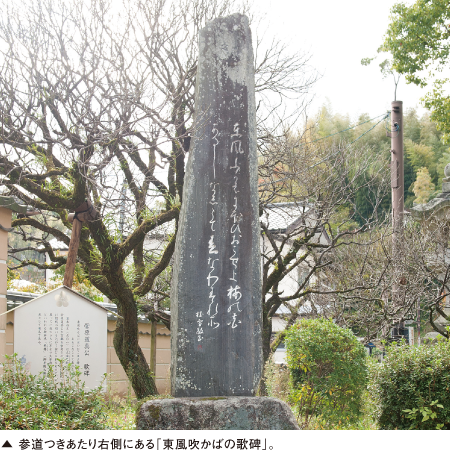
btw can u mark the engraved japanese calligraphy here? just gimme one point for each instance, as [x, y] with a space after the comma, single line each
[215, 293]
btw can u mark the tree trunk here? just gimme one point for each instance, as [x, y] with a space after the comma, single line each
[126, 341]
[131, 356]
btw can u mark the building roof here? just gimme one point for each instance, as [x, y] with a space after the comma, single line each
[37, 297]
[287, 217]
[280, 217]
[13, 297]
[20, 296]
[441, 201]
[12, 204]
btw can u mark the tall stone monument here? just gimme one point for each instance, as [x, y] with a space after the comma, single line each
[216, 288]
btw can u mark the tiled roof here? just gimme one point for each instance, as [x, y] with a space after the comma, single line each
[280, 217]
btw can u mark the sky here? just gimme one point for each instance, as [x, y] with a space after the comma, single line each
[338, 34]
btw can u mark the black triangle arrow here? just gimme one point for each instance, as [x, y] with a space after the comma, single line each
[7, 444]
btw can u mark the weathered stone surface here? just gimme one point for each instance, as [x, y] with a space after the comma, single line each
[217, 413]
[216, 287]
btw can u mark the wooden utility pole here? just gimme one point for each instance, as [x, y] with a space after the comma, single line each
[397, 191]
[85, 212]
[153, 348]
[419, 323]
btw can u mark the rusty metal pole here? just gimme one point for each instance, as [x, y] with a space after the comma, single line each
[397, 186]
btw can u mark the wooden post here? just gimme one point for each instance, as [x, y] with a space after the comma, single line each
[397, 185]
[153, 348]
[85, 212]
[5, 228]
[72, 254]
[7, 206]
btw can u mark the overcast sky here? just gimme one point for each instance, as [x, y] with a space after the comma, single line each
[338, 34]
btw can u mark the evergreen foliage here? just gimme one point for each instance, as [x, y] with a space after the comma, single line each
[411, 387]
[328, 370]
[423, 148]
[423, 186]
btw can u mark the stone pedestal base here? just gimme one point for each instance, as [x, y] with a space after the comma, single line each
[216, 413]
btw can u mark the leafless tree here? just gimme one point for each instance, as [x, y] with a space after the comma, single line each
[420, 272]
[97, 102]
[318, 261]
[307, 195]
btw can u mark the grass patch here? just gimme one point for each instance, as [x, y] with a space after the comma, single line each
[119, 412]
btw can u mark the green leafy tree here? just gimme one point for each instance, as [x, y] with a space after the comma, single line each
[418, 40]
[423, 186]
[419, 155]
[423, 148]
[328, 129]
[328, 370]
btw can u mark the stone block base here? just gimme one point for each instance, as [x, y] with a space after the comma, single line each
[216, 413]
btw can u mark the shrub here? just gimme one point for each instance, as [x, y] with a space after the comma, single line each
[40, 402]
[328, 371]
[411, 387]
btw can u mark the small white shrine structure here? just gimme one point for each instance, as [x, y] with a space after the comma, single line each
[65, 325]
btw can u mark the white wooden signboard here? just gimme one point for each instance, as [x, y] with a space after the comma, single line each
[62, 324]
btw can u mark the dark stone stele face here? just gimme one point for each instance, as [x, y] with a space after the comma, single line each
[215, 294]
